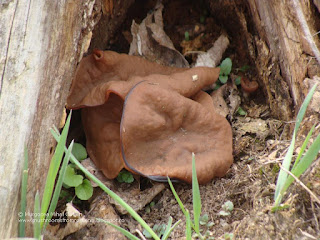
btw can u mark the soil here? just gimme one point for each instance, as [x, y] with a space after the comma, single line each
[260, 143]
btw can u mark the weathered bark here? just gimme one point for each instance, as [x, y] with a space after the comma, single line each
[276, 46]
[278, 28]
[40, 45]
[113, 16]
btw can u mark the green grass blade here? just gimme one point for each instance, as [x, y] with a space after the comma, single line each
[177, 197]
[195, 197]
[304, 106]
[188, 226]
[282, 174]
[304, 163]
[164, 236]
[55, 129]
[288, 158]
[24, 185]
[120, 229]
[111, 194]
[53, 170]
[37, 219]
[304, 146]
[186, 213]
[169, 229]
[58, 187]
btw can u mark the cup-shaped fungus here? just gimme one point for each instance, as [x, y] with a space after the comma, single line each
[249, 86]
[149, 118]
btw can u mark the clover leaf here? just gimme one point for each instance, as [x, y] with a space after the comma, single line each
[125, 176]
[225, 67]
[71, 179]
[85, 190]
[79, 151]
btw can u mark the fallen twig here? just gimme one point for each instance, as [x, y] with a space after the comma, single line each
[140, 234]
[213, 56]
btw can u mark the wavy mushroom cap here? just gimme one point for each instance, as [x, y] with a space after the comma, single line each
[149, 118]
[98, 71]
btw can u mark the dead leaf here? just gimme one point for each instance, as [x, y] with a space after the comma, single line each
[100, 208]
[63, 118]
[150, 41]
[219, 102]
[75, 221]
[226, 100]
[248, 125]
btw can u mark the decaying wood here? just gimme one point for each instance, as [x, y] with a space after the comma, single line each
[276, 44]
[213, 56]
[40, 45]
[278, 27]
[114, 13]
[306, 30]
[283, 38]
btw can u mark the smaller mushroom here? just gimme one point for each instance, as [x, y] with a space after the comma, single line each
[248, 86]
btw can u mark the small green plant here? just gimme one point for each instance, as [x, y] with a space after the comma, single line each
[85, 190]
[204, 219]
[186, 36]
[206, 224]
[244, 68]
[202, 19]
[225, 70]
[227, 208]
[303, 160]
[228, 236]
[65, 196]
[241, 111]
[159, 229]
[79, 151]
[24, 185]
[43, 211]
[71, 179]
[82, 186]
[125, 176]
[149, 207]
[237, 81]
[203, 16]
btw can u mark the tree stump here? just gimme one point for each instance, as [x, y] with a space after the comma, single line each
[41, 43]
[276, 45]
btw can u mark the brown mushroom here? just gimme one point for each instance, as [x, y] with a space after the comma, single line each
[149, 118]
[248, 86]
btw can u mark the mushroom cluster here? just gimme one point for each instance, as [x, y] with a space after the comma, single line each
[149, 118]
